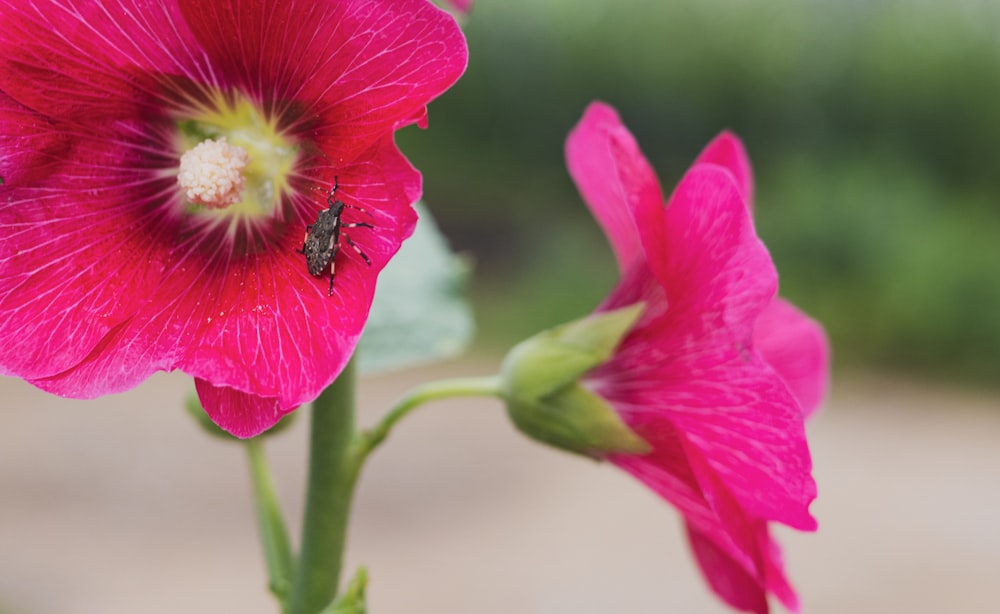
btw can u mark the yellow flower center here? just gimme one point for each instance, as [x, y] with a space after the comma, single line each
[234, 163]
[211, 174]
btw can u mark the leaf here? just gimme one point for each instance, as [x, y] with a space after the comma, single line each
[352, 600]
[420, 313]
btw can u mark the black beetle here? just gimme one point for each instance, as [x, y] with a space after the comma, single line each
[322, 241]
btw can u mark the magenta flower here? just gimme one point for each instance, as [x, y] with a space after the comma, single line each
[160, 164]
[462, 6]
[718, 374]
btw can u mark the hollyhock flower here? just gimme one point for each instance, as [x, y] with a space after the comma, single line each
[161, 162]
[462, 6]
[717, 374]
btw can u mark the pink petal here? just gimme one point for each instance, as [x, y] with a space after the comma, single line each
[745, 556]
[241, 414]
[751, 434]
[704, 252]
[613, 178]
[110, 58]
[36, 147]
[70, 245]
[794, 344]
[462, 6]
[777, 582]
[730, 526]
[730, 580]
[691, 358]
[666, 469]
[727, 151]
[797, 347]
[740, 418]
[383, 62]
[744, 587]
[735, 552]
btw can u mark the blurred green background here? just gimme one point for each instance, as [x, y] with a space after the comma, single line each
[871, 124]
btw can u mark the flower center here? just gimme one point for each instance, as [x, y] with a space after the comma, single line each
[234, 162]
[211, 174]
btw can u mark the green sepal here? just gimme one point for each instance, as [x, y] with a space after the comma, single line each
[540, 384]
[576, 420]
[194, 409]
[559, 356]
[352, 600]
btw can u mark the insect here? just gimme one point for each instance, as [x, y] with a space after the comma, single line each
[322, 241]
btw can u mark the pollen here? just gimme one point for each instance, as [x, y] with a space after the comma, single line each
[212, 173]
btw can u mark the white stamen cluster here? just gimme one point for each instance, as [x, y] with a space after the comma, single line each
[211, 174]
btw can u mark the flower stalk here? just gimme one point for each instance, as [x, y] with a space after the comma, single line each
[273, 532]
[333, 473]
[368, 440]
[336, 456]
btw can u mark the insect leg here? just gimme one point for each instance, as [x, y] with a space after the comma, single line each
[357, 208]
[355, 247]
[305, 239]
[333, 190]
[334, 248]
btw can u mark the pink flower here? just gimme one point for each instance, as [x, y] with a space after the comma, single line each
[161, 162]
[462, 6]
[718, 373]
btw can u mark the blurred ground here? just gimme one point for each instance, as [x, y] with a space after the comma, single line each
[121, 506]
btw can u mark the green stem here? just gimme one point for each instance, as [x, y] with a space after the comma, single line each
[330, 487]
[444, 389]
[336, 455]
[273, 531]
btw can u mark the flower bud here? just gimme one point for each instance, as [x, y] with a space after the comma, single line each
[540, 383]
